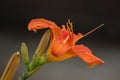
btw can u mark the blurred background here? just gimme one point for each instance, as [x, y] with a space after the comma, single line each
[85, 15]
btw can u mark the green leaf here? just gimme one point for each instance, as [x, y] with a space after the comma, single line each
[43, 43]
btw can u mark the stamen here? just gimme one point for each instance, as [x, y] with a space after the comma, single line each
[92, 31]
[69, 26]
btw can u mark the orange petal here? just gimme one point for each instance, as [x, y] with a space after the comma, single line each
[43, 23]
[59, 48]
[66, 56]
[76, 37]
[40, 24]
[86, 55]
[61, 44]
[64, 41]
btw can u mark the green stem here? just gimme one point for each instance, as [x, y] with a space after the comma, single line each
[24, 76]
[29, 72]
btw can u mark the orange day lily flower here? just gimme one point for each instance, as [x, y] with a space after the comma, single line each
[62, 42]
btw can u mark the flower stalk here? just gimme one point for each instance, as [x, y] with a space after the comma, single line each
[38, 59]
[29, 72]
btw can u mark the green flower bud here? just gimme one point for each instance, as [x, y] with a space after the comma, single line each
[24, 52]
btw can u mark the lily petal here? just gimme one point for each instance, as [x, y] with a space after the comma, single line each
[66, 56]
[43, 23]
[61, 44]
[40, 24]
[86, 55]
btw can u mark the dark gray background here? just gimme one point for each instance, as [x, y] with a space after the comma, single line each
[85, 15]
